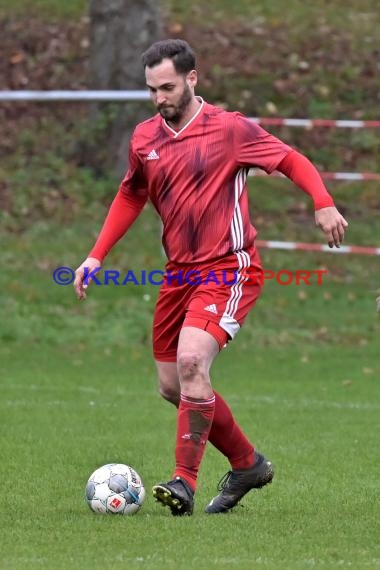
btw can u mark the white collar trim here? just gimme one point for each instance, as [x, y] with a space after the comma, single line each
[176, 133]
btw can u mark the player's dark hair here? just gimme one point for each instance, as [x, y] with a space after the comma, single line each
[179, 51]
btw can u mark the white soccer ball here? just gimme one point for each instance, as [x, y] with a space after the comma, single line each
[116, 489]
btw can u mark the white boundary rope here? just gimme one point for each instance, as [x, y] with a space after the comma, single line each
[292, 245]
[351, 176]
[74, 96]
[310, 123]
[143, 95]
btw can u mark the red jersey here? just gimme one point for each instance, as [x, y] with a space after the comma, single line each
[196, 179]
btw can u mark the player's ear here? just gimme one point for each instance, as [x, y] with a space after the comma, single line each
[192, 78]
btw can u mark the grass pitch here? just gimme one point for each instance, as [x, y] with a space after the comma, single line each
[78, 390]
[63, 415]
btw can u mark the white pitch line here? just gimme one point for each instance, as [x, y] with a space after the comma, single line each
[308, 403]
[31, 403]
[52, 388]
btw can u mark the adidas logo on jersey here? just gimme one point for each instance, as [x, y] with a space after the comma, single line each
[152, 155]
[212, 309]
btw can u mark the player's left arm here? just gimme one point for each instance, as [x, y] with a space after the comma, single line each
[253, 146]
[303, 173]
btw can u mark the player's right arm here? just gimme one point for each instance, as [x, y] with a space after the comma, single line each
[85, 269]
[125, 208]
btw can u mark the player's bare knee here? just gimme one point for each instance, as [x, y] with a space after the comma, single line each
[190, 365]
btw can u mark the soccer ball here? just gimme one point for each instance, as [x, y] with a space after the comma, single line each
[116, 489]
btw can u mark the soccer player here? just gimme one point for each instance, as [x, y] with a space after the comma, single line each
[191, 159]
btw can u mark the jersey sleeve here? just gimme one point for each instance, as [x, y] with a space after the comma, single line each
[125, 208]
[255, 147]
[134, 183]
[303, 173]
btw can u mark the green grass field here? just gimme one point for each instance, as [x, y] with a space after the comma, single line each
[79, 390]
[66, 414]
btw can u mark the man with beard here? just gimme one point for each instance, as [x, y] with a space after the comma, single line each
[191, 160]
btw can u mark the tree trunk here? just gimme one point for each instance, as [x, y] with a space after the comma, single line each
[120, 30]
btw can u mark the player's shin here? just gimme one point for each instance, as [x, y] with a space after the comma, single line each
[194, 421]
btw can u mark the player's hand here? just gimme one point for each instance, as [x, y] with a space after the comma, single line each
[81, 282]
[332, 224]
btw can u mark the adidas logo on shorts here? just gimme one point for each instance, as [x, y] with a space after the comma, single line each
[212, 309]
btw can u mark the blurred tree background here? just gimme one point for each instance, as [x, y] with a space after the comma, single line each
[120, 31]
[275, 58]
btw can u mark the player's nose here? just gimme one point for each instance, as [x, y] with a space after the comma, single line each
[161, 98]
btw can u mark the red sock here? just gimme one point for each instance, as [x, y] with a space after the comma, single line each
[193, 426]
[227, 437]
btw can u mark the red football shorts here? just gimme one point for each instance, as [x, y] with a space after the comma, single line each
[214, 296]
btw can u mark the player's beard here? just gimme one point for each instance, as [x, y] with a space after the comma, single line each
[174, 113]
